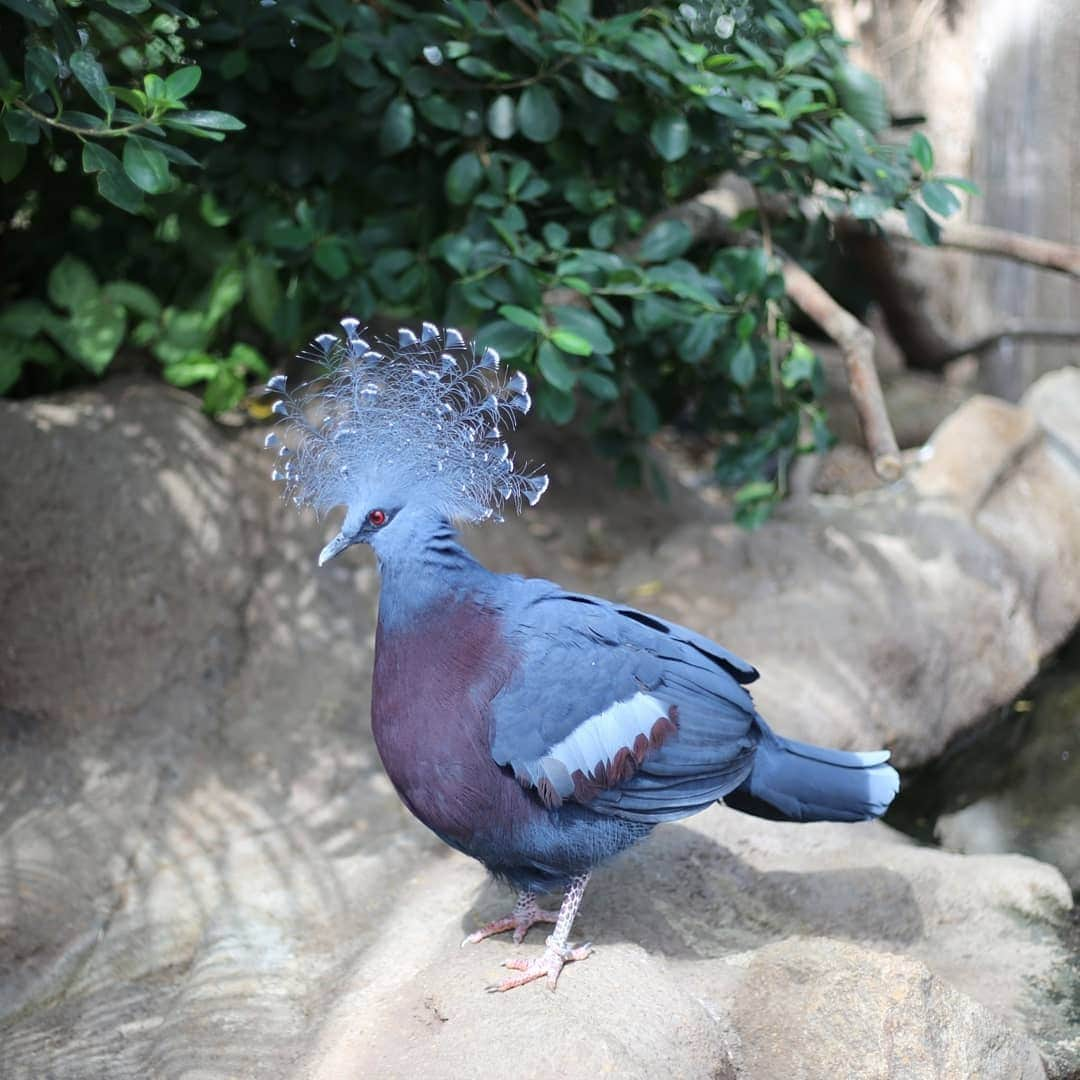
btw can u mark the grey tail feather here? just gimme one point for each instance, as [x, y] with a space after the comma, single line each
[794, 781]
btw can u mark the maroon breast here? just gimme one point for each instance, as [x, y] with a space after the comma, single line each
[432, 683]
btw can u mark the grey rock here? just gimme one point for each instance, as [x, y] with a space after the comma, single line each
[205, 873]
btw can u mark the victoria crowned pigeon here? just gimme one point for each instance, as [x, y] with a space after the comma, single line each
[538, 730]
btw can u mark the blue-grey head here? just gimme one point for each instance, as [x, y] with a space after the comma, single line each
[400, 434]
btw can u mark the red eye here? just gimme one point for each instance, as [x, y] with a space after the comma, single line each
[377, 518]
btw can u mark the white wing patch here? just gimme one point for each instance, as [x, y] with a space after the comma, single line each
[604, 749]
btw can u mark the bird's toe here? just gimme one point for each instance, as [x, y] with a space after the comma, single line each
[520, 921]
[547, 966]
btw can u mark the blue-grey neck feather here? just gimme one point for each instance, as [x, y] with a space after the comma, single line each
[423, 565]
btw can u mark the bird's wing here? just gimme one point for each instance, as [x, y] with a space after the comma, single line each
[620, 710]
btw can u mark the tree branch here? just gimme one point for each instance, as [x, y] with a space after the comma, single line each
[987, 240]
[856, 342]
[925, 344]
[1014, 330]
[709, 216]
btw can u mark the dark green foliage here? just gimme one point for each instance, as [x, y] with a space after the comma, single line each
[454, 161]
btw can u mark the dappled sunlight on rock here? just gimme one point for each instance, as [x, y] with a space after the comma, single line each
[204, 871]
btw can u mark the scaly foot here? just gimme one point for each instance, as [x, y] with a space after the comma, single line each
[526, 913]
[550, 963]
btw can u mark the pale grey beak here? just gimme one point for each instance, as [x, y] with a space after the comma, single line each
[335, 547]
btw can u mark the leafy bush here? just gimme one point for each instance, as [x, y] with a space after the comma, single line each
[492, 166]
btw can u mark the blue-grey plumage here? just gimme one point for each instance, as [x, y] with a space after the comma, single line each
[538, 730]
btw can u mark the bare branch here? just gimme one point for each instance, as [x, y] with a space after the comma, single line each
[987, 240]
[709, 218]
[1014, 330]
[926, 345]
[856, 341]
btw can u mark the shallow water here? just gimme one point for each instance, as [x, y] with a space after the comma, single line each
[1012, 784]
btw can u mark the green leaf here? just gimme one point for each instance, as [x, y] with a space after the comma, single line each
[939, 198]
[571, 342]
[922, 226]
[643, 412]
[72, 284]
[21, 127]
[177, 157]
[651, 45]
[758, 54]
[325, 55]
[553, 367]
[41, 69]
[598, 84]
[755, 491]
[154, 86]
[862, 97]
[87, 122]
[701, 337]
[585, 325]
[520, 316]
[506, 338]
[800, 52]
[602, 230]
[95, 158]
[743, 365]
[754, 503]
[922, 151]
[456, 251]
[225, 292]
[463, 178]
[501, 117]
[35, 11]
[670, 134]
[332, 257]
[146, 167]
[96, 330]
[555, 235]
[115, 187]
[26, 318]
[555, 405]
[262, 290]
[602, 387]
[12, 158]
[91, 75]
[194, 368]
[960, 184]
[868, 206]
[538, 114]
[608, 312]
[800, 365]
[665, 241]
[182, 81]
[11, 365]
[136, 99]
[436, 110]
[224, 391]
[244, 359]
[398, 127]
[477, 68]
[206, 118]
[133, 297]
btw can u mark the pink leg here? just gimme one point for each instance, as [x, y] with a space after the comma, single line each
[557, 952]
[525, 914]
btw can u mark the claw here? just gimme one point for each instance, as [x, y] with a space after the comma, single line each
[525, 915]
[549, 965]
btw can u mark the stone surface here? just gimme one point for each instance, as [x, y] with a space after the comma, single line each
[204, 872]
